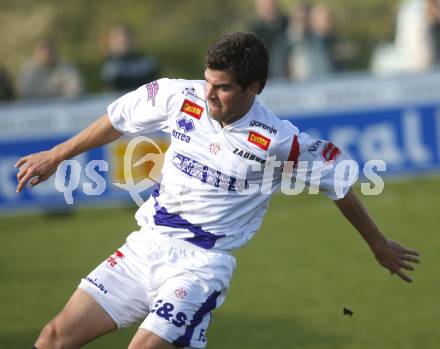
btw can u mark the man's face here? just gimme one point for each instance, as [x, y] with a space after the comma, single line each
[44, 54]
[227, 100]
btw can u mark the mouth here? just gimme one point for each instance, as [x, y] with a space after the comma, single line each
[214, 106]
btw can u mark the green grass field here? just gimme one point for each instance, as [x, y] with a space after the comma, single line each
[292, 282]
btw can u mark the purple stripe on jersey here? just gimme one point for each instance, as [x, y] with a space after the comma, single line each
[208, 306]
[201, 238]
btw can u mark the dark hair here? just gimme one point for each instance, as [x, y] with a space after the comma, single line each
[243, 55]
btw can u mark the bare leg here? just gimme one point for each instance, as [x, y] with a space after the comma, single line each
[81, 321]
[144, 339]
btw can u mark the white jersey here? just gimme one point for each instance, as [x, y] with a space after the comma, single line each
[212, 191]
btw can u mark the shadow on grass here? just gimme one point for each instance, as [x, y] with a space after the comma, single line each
[226, 331]
[116, 340]
[243, 332]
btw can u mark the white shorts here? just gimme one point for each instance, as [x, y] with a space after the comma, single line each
[169, 284]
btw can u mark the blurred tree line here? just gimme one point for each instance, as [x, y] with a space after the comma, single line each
[177, 32]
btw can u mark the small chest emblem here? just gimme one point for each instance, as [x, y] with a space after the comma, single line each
[214, 148]
[185, 124]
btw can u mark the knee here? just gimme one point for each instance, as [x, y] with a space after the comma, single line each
[51, 338]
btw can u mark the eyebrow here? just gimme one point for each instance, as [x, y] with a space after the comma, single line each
[219, 85]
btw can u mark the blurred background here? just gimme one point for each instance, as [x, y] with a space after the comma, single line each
[176, 33]
[363, 74]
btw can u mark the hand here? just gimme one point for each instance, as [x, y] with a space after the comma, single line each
[395, 258]
[35, 167]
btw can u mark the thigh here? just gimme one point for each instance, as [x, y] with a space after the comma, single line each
[181, 312]
[191, 284]
[81, 320]
[144, 339]
[115, 285]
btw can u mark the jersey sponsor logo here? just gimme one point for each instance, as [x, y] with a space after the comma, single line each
[207, 174]
[181, 136]
[192, 109]
[259, 140]
[330, 152]
[153, 89]
[185, 124]
[249, 156]
[270, 129]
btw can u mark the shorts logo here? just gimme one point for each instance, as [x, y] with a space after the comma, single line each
[180, 293]
[153, 89]
[330, 152]
[113, 259]
[259, 140]
[185, 125]
[166, 311]
[192, 109]
[96, 283]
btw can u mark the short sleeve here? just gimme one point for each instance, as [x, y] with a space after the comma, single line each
[323, 165]
[144, 110]
[286, 141]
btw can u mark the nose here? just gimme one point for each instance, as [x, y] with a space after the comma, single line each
[209, 92]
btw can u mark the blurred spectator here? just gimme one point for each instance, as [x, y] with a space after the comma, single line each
[433, 13]
[326, 41]
[300, 42]
[44, 75]
[315, 49]
[124, 67]
[6, 89]
[416, 44]
[271, 27]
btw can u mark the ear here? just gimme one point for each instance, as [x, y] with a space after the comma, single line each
[253, 88]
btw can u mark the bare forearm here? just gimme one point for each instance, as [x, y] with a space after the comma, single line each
[99, 133]
[356, 213]
[40, 166]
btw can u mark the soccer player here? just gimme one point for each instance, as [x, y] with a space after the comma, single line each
[174, 271]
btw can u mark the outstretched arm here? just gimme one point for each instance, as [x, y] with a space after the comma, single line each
[388, 253]
[40, 166]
